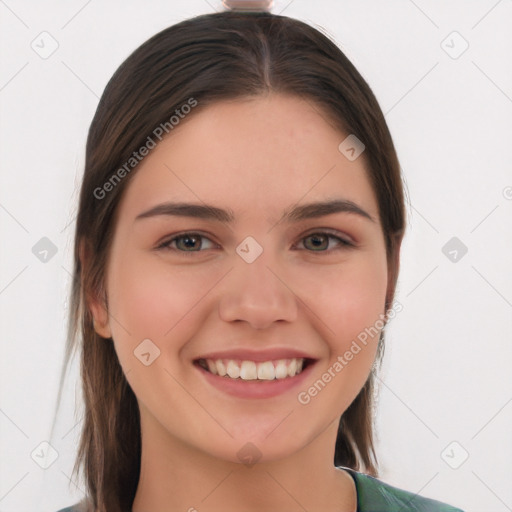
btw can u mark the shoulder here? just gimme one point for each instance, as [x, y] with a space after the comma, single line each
[374, 495]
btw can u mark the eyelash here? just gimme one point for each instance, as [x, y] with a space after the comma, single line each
[165, 246]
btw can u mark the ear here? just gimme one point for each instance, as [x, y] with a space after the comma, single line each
[96, 305]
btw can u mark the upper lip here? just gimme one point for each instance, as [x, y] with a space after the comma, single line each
[271, 354]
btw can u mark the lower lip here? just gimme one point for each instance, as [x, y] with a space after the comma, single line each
[255, 388]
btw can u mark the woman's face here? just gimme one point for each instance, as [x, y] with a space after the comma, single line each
[263, 281]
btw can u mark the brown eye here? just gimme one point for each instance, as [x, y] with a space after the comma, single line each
[320, 242]
[186, 242]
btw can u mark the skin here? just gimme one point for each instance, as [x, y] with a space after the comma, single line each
[257, 157]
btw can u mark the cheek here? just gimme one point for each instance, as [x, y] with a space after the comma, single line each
[351, 306]
[349, 298]
[149, 299]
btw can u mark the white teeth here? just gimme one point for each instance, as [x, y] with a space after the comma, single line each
[248, 370]
[251, 370]
[281, 369]
[233, 369]
[211, 366]
[292, 368]
[221, 369]
[266, 371]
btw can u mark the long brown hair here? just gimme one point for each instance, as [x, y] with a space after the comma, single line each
[208, 58]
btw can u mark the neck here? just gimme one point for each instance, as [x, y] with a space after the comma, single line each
[176, 476]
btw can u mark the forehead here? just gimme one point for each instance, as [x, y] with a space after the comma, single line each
[261, 153]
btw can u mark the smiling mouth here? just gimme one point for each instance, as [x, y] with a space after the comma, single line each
[237, 369]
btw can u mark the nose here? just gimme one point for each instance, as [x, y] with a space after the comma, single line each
[256, 293]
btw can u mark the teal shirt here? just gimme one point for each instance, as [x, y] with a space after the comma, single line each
[373, 495]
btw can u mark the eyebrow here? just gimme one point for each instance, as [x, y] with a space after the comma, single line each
[293, 214]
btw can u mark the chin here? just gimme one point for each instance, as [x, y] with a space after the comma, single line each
[253, 446]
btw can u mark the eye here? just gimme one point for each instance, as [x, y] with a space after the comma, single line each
[186, 242]
[321, 242]
[190, 242]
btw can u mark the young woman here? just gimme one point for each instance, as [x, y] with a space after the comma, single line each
[236, 254]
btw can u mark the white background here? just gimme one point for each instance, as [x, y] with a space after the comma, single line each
[447, 365]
